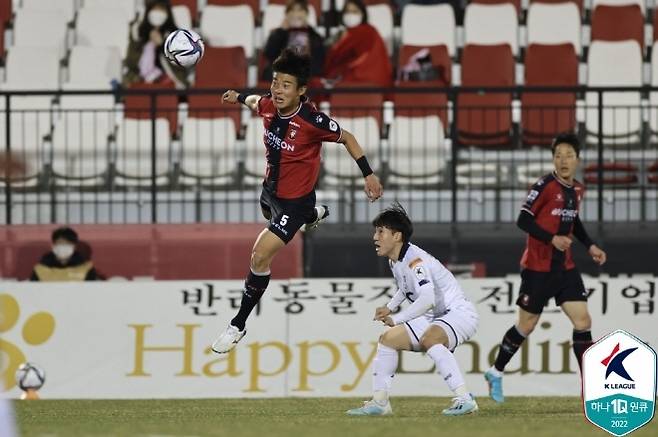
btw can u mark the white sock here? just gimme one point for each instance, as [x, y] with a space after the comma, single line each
[495, 372]
[383, 370]
[447, 366]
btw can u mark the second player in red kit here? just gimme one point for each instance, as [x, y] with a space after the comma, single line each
[293, 137]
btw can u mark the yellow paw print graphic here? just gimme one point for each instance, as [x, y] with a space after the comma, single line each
[37, 329]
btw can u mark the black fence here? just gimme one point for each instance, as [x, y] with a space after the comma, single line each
[456, 155]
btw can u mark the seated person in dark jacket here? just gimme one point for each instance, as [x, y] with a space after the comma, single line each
[64, 262]
[294, 32]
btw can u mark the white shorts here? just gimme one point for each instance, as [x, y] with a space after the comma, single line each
[459, 324]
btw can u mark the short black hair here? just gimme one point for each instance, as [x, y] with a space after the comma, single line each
[295, 64]
[65, 233]
[566, 138]
[395, 218]
[292, 3]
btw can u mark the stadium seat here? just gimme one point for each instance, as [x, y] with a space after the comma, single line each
[652, 173]
[541, 24]
[653, 96]
[614, 173]
[429, 25]
[528, 174]
[138, 106]
[417, 155]
[127, 7]
[228, 26]
[425, 103]
[222, 67]
[481, 174]
[618, 23]
[133, 152]
[185, 8]
[340, 168]
[380, 16]
[208, 151]
[515, 3]
[182, 17]
[357, 104]
[622, 121]
[316, 5]
[94, 65]
[544, 114]
[597, 3]
[96, 27]
[491, 24]
[67, 7]
[6, 11]
[30, 68]
[254, 5]
[485, 119]
[254, 152]
[578, 3]
[80, 141]
[273, 16]
[37, 28]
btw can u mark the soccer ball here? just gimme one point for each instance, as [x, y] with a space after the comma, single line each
[184, 48]
[30, 377]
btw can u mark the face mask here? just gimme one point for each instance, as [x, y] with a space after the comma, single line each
[157, 17]
[63, 251]
[352, 19]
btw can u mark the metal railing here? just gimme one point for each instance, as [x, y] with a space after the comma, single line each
[453, 161]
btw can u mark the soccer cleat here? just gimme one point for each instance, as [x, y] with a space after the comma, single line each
[461, 405]
[228, 339]
[495, 386]
[371, 408]
[323, 213]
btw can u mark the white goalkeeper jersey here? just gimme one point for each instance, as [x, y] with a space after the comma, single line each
[422, 280]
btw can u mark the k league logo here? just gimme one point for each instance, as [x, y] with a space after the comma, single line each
[619, 383]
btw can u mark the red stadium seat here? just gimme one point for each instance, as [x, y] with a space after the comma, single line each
[618, 23]
[614, 173]
[485, 119]
[139, 106]
[516, 3]
[545, 114]
[653, 173]
[353, 105]
[423, 104]
[222, 67]
[5, 11]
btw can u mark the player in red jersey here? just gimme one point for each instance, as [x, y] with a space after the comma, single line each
[294, 132]
[550, 217]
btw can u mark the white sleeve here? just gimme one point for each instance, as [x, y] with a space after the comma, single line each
[424, 302]
[396, 300]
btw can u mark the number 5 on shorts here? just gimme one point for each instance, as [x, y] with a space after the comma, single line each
[284, 220]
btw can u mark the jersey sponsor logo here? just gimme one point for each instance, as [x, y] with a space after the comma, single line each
[333, 126]
[276, 142]
[566, 213]
[423, 282]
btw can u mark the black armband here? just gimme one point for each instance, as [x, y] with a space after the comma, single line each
[242, 98]
[362, 162]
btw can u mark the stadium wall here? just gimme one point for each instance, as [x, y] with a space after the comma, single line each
[308, 337]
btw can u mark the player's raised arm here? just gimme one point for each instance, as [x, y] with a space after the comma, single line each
[233, 97]
[373, 188]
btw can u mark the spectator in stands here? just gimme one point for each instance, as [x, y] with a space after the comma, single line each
[64, 262]
[359, 55]
[294, 32]
[145, 60]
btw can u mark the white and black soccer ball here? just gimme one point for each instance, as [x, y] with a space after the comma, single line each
[29, 376]
[184, 48]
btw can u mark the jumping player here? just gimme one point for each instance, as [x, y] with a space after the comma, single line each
[294, 132]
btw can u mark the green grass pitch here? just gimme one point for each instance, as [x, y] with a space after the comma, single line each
[293, 417]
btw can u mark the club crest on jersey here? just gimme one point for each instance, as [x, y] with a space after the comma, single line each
[419, 271]
[292, 134]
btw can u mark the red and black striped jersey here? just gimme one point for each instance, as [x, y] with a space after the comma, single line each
[555, 206]
[292, 145]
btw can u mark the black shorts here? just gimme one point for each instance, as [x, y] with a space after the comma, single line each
[537, 288]
[286, 216]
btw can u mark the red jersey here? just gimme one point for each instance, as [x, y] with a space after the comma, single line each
[292, 145]
[555, 206]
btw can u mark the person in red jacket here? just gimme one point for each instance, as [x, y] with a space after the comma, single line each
[359, 55]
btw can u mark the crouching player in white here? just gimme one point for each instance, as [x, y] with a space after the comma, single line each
[438, 319]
